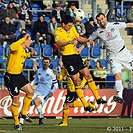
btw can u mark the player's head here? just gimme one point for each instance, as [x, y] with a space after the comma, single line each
[101, 20]
[67, 22]
[27, 41]
[45, 62]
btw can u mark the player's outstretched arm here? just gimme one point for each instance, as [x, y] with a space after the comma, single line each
[129, 25]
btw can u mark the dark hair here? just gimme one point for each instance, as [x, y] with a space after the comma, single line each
[46, 58]
[40, 15]
[100, 64]
[67, 19]
[72, 4]
[91, 19]
[99, 14]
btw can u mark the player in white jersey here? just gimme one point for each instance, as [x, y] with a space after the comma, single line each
[47, 84]
[119, 55]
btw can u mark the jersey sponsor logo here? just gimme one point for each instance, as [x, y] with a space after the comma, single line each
[111, 38]
[108, 35]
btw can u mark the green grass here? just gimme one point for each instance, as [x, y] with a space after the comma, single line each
[76, 125]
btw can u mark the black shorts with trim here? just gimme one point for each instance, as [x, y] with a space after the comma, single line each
[14, 82]
[71, 97]
[73, 63]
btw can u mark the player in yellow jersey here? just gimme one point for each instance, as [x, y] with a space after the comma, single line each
[71, 97]
[67, 39]
[15, 80]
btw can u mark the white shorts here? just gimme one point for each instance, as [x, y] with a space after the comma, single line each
[38, 95]
[123, 58]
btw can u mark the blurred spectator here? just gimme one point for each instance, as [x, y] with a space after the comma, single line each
[80, 28]
[55, 2]
[118, 1]
[22, 34]
[26, 16]
[100, 75]
[7, 32]
[90, 27]
[88, 64]
[129, 16]
[59, 67]
[12, 12]
[64, 8]
[2, 14]
[2, 66]
[40, 30]
[51, 27]
[63, 77]
[75, 2]
[33, 72]
[72, 9]
[57, 12]
[111, 7]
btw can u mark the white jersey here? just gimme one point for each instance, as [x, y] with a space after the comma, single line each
[46, 80]
[111, 36]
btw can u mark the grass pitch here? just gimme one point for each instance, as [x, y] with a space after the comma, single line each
[75, 125]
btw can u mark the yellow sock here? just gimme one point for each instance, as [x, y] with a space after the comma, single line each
[14, 110]
[78, 104]
[65, 115]
[80, 94]
[93, 88]
[83, 82]
[26, 103]
[92, 105]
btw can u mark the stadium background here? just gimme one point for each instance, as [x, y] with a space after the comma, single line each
[91, 8]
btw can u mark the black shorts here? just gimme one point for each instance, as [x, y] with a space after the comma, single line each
[73, 63]
[71, 97]
[14, 82]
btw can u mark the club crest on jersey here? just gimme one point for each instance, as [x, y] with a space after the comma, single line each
[108, 35]
[47, 75]
[41, 79]
[112, 29]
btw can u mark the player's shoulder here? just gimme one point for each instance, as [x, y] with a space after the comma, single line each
[98, 30]
[49, 70]
[59, 29]
[116, 23]
[39, 70]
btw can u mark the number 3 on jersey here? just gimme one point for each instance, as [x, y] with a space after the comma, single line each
[72, 69]
[16, 89]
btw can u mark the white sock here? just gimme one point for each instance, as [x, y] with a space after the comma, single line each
[39, 109]
[119, 88]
